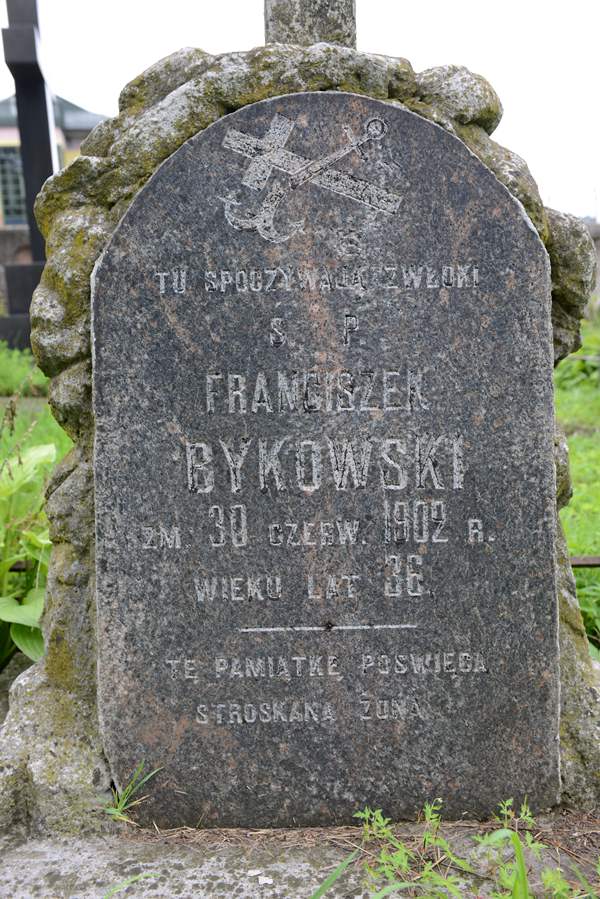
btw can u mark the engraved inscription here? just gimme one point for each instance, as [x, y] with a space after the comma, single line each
[286, 464]
[304, 392]
[323, 280]
[291, 712]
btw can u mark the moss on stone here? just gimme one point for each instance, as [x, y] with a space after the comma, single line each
[467, 98]
[59, 662]
[70, 508]
[158, 132]
[14, 804]
[564, 487]
[70, 398]
[73, 246]
[53, 778]
[573, 260]
[156, 82]
[82, 183]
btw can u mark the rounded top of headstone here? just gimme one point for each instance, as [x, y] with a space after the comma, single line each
[387, 165]
[324, 481]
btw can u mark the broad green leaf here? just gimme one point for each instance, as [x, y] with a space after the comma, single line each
[28, 612]
[29, 640]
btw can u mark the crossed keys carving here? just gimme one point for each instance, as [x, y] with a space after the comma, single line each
[269, 153]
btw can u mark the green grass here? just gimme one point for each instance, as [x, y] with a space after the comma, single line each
[578, 409]
[581, 518]
[19, 374]
[124, 802]
[577, 382]
[33, 425]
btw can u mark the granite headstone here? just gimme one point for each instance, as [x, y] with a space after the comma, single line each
[324, 478]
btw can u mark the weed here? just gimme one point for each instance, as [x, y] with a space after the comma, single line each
[509, 818]
[425, 870]
[512, 877]
[124, 801]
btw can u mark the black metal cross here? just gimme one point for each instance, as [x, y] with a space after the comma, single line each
[34, 108]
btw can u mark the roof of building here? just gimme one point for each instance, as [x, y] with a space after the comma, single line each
[67, 116]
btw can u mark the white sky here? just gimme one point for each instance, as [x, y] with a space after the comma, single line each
[541, 56]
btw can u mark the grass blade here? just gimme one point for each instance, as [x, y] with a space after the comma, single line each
[521, 887]
[335, 875]
[125, 883]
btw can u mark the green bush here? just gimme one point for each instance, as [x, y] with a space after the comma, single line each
[588, 593]
[25, 549]
[583, 367]
[577, 382]
[19, 373]
[30, 444]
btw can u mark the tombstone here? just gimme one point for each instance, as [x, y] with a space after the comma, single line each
[324, 477]
[324, 496]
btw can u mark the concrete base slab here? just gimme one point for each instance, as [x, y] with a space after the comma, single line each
[94, 868]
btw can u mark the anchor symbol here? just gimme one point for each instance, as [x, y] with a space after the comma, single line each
[301, 171]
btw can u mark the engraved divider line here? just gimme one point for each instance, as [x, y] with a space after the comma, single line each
[323, 627]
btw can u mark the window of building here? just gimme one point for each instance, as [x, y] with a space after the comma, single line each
[12, 187]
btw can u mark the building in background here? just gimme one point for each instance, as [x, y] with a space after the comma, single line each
[72, 124]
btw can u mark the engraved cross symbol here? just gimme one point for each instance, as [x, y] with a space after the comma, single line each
[275, 139]
[268, 154]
